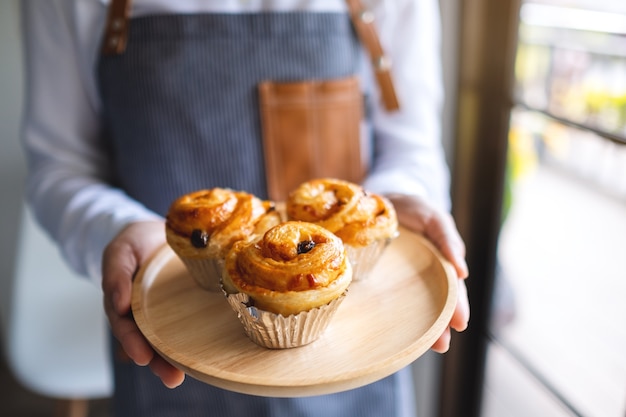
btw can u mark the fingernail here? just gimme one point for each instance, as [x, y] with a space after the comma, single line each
[176, 384]
[462, 327]
[463, 266]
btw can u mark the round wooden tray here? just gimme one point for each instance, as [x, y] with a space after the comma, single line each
[384, 324]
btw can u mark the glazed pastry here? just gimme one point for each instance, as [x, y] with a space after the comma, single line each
[202, 226]
[366, 222]
[295, 275]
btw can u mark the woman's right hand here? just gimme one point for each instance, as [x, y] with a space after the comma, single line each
[122, 258]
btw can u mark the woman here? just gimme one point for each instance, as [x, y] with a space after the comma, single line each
[124, 116]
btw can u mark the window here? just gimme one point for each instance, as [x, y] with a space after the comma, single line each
[558, 338]
[539, 197]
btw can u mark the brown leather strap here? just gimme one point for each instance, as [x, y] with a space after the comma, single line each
[363, 21]
[116, 36]
[116, 30]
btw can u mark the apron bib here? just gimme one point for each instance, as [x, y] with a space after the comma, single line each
[181, 104]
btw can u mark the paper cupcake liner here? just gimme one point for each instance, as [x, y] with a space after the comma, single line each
[206, 272]
[364, 258]
[276, 331]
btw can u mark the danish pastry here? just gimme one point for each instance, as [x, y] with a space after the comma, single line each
[295, 276]
[366, 222]
[202, 226]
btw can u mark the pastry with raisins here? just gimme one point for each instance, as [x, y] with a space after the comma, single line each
[365, 222]
[286, 286]
[202, 226]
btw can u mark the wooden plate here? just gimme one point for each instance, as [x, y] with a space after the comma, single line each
[384, 324]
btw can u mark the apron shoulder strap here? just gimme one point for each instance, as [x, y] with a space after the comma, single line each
[116, 29]
[116, 36]
[363, 22]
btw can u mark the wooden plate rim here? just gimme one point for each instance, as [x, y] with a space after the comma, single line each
[349, 380]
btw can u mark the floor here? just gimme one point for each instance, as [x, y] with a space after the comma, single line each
[17, 401]
[561, 252]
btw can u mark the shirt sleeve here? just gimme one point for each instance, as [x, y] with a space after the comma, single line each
[408, 151]
[68, 174]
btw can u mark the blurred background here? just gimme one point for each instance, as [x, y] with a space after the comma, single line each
[534, 127]
[564, 216]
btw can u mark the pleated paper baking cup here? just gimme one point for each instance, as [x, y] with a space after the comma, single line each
[206, 272]
[364, 258]
[275, 331]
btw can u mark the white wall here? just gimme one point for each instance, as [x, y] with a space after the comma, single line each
[450, 10]
[12, 165]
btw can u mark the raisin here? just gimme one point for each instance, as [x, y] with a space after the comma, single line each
[199, 238]
[305, 246]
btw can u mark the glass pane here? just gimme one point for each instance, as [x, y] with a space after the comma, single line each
[562, 263]
[558, 303]
[572, 62]
[512, 391]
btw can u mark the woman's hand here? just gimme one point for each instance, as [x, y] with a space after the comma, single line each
[438, 226]
[121, 260]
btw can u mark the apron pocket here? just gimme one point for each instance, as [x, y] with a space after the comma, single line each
[311, 129]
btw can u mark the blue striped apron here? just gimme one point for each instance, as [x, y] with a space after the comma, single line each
[180, 113]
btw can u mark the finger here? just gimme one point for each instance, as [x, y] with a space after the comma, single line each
[119, 266]
[132, 341]
[122, 258]
[443, 343]
[169, 375]
[126, 332]
[442, 231]
[461, 315]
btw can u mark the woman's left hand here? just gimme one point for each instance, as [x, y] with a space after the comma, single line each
[438, 226]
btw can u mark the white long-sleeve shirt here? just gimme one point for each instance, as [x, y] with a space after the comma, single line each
[67, 183]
